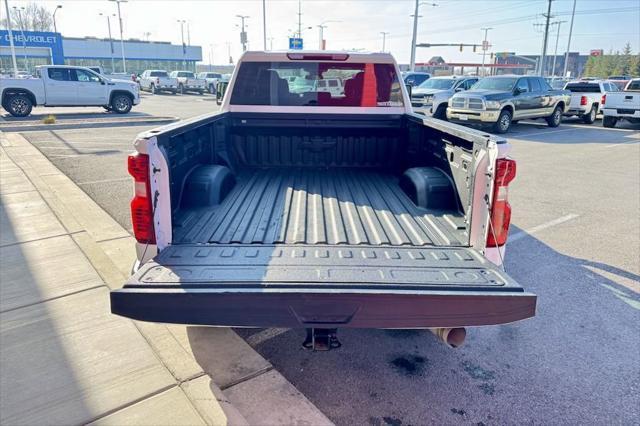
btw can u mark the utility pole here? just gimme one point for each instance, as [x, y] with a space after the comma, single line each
[184, 48]
[188, 34]
[555, 54]
[546, 37]
[55, 27]
[24, 39]
[415, 15]
[13, 47]
[322, 26]
[566, 56]
[211, 57]
[485, 47]
[243, 35]
[229, 52]
[264, 24]
[113, 66]
[124, 61]
[384, 40]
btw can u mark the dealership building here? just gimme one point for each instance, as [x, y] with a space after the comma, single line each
[44, 48]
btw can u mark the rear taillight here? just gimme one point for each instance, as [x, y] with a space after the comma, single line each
[583, 100]
[141, 204]
[603, 99]
[500, 208]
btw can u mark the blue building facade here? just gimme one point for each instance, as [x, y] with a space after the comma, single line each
[43, 48]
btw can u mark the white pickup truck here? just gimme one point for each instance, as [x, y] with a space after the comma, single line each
[61, 85]
[321, 210]
[212, 79]
[623, 105]
[588, 97]
[156, 81]
[188, 82]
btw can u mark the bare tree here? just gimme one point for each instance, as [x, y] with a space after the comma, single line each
[34, 18]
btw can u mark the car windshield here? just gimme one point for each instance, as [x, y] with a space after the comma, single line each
[438, 83]
[298, 83]
[496, 83]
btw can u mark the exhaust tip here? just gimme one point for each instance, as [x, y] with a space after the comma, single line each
[452, 337]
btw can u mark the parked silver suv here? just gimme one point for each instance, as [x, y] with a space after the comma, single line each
[432, 96]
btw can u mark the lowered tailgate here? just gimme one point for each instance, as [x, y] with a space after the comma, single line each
[315, 286]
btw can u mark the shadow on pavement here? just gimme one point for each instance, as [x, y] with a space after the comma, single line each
[577, 361]
[38, 117]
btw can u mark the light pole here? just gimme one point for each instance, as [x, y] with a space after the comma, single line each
[184, 48]
[124, 62]
[544, 43]
[485, 46]
[113, 66]
[321, 27]
[24, 39]
[243, 35]
[211, 57]
[13, 47]
[55, 27]
[555, 54]
[415, 15]
[384, 40]
[264, 24]
[566, 56]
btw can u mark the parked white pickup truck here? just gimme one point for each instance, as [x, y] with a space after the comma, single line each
[61, 85]
[321, 210]
[212, 79]
[623, 105]
[155, 81]
[188, 82]
[588, 97]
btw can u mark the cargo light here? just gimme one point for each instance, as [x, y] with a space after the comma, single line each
[318, 56]
[583, 100]
[141, 206]
[500, 208]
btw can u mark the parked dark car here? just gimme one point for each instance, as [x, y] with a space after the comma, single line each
[415, 78]
[501, 100]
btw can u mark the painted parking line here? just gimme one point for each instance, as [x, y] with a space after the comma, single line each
[548, 132]
[261, 337]
[622, 143]
[522, 234]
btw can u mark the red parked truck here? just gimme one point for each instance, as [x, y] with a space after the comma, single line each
[321, 210]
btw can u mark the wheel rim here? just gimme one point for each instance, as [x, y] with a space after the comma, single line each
[19, 106]
[121, 103]
[505, 120]
[556, 116]
[592, 115]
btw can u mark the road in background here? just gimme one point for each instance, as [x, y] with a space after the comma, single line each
[574, 243]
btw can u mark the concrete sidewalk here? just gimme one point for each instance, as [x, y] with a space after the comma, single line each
[65, 359]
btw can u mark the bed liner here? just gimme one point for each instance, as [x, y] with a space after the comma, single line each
[318, 206]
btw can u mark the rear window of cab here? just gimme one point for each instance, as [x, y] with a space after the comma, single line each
[296, 83]
[583, 87]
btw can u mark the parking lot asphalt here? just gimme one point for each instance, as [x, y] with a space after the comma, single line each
[575, 242]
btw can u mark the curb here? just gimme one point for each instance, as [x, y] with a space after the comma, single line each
[11, 127]
[253, 391]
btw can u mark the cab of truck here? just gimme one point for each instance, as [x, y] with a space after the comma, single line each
[297, 207]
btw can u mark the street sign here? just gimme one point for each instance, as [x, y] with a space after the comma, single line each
[295, 43]
[485, 45]
[596, 52]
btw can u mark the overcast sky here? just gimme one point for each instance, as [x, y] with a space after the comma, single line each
[599, 24]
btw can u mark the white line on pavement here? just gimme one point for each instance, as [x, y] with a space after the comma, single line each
[521, 234]
[547, 132]
[104, 181]
[261, 337]
[622, 143]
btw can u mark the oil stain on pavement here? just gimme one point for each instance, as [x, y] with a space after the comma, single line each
[409, 365]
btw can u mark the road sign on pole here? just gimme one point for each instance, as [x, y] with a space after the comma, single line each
[295, 43]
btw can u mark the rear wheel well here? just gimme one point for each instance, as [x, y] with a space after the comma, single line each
[7, 93]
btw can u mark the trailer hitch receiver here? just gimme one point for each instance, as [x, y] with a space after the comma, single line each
[321, 339]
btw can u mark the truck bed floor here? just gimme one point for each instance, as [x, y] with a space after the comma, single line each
[317, 206]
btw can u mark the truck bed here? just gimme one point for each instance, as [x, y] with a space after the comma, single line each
[318, 206]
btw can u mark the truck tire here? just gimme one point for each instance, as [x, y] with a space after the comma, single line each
[121, 103]
[503, 123]
[19, 105]
[441, 112]
[152, 89]
[590, 117]
[555, 118]
[608, 121]
[181, 89]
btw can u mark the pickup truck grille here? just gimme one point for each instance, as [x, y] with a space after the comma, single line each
[458, 102]
[475, 103]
